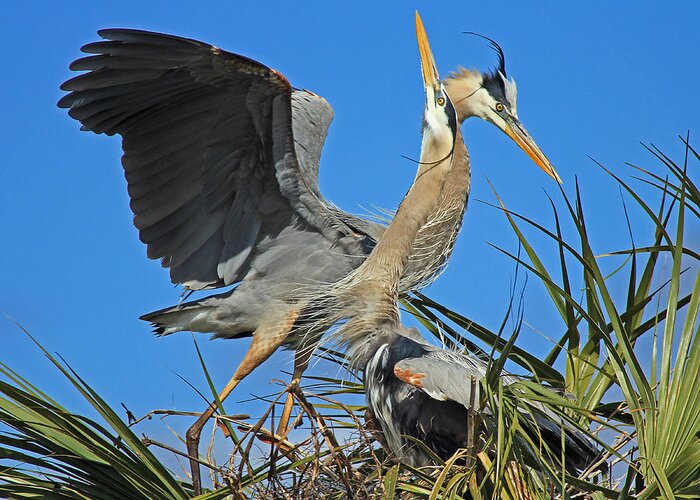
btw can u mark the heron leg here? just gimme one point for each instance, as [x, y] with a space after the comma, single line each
[266, 340]
[301, 362]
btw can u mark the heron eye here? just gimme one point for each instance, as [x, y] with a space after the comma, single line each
[441, 101]
[499, 107]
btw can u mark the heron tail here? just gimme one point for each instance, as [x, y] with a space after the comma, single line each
[190, 316]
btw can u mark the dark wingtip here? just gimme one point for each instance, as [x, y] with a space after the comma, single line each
[157, 330]
[117, 33]
[129, 35]
[104, 32]
[65, 102]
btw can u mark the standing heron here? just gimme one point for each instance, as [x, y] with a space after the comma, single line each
[221, 158]
[413, 388]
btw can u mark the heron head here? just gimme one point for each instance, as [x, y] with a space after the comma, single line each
[440, 117]
[492, 96]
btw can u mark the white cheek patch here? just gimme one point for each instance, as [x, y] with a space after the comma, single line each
[433, 121]
[437, 127]
[483, 104]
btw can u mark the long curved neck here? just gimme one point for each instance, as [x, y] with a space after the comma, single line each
[435, 239]
[388, 260]
[368, 297]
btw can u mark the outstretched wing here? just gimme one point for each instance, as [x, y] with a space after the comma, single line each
[220, 153]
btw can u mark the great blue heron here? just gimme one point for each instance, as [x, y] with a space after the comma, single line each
[221, 157]
[413, 388]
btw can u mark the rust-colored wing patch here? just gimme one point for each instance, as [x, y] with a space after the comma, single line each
[415, 379]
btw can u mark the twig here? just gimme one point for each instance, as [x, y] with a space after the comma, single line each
[151, 413]
[471, 423]
[148, 442]
[339, 457]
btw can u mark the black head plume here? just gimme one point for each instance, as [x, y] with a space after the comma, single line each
[497, 48]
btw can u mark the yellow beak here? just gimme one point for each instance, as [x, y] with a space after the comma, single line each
[431, 78]
[517, 132]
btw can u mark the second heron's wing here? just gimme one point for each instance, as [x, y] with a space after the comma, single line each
[451, 376]
[220, 153]
[444, 375]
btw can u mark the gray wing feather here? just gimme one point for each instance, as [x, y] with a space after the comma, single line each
[445, 377]
[219, 152]
[240, 234]
[311, 118]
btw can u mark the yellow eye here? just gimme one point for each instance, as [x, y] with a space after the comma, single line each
[499, 107]
[441, 101]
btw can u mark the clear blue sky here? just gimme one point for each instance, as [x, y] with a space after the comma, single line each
[593, 79]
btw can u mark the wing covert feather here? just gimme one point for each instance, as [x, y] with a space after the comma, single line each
[444, 376]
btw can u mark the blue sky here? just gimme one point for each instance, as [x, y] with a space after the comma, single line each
[593, 80]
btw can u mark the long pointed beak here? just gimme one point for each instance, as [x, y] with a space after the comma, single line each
[431, 78]
[517, 132]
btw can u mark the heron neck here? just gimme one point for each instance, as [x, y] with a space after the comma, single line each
[382, 270]
[435, 239]
[370, 296]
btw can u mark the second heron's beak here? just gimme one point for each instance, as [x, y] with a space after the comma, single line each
[431, 78]
[517, 132]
